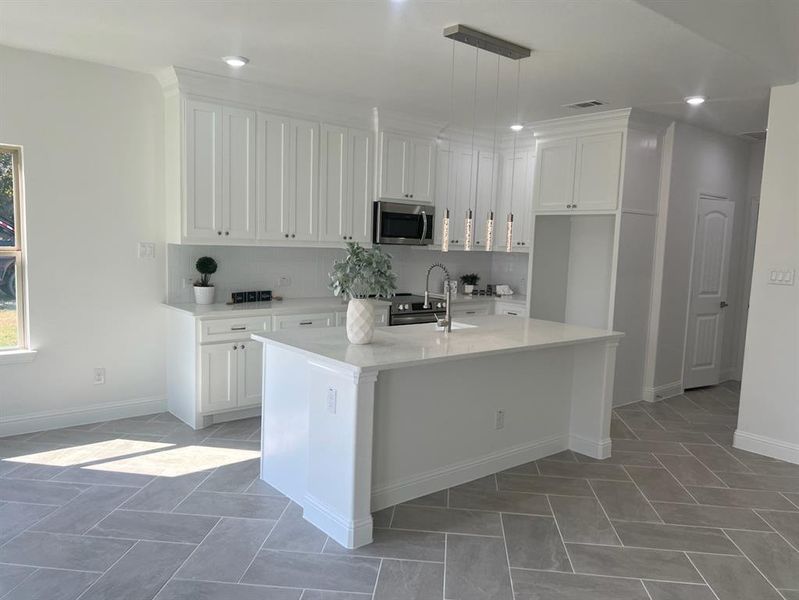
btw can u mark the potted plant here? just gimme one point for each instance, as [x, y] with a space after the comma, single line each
[203, 288]
[469, 281]
[360, 274]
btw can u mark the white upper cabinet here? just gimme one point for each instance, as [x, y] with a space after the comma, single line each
[554, 187]
[203, 171]
[515, 196]
[288, 179]
[238, 174]
[345, 202]
[596, 184]
[579, 174]
[305, 178]
[274, 193]
[407, 167]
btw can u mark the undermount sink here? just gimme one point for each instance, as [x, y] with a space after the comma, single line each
[455, 325]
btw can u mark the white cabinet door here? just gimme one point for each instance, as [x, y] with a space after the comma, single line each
[395, 151]
[203, 171]
[334, 198]
[598, 172]
[484, 194]
[516, 195]
[443, 196]
[218, 377]
[305, 181]
[274, 189]
[554, 188]
[238, 174]
[463, 188]
[421, 176]
[361, 196]
[250, 373]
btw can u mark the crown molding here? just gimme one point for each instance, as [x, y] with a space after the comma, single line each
[599, 121]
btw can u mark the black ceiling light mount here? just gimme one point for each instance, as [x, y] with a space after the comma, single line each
[486, 41]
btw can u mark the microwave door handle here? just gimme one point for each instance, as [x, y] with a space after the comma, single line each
[424, 227]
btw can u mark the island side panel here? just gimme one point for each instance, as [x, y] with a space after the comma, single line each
[340, 418]
[284, 422]
[435, 425]
[592, 398]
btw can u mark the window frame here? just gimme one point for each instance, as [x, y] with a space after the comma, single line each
[17, 251]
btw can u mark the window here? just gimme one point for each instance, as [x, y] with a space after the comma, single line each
[12, 331]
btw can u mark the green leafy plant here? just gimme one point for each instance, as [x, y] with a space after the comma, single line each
[470, 279]
[363, 273]
[206, 266]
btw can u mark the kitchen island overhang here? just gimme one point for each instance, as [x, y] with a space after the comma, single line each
[348, 430]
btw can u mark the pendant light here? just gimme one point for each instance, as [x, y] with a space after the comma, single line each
[509, 230]
[490, 219]
[445, 216]
[468, 233]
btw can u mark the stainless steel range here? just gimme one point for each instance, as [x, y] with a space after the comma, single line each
[408, 309]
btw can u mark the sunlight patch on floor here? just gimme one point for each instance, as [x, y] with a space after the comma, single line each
[179, 461]
[88, 453]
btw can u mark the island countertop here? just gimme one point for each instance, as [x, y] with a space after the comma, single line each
[409, 345]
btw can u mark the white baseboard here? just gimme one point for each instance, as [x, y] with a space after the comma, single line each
[350, 534]
[463, 472]
[661, 392]
[592, 448]
[95, 413]
[760, 444]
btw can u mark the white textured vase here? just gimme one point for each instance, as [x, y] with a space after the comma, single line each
[204, 295]
[360, 321]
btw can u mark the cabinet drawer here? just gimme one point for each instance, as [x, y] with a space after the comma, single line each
[222, 330]
[306, 321]
[470, 311]
[509, 310]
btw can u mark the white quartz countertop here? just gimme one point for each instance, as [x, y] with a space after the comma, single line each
[409, 345]
[299, 305]
[276, 307]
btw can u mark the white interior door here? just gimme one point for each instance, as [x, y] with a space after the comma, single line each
[708, 299]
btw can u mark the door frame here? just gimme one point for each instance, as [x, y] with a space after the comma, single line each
[700, 194]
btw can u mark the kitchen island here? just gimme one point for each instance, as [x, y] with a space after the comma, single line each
[348, 430]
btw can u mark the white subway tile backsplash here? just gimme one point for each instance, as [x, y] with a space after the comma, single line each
[244, 268]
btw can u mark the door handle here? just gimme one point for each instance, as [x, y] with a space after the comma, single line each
[723, 304]
[424, 227]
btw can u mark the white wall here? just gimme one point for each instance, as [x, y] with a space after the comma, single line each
[768, 421]
[92, 151]
[251, 268]
[702, 162]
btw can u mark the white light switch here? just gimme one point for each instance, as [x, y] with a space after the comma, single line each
[146, 250]
[781, 277]
[332, 395]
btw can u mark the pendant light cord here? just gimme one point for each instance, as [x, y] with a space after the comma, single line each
[515, 135]
[451, 119]
[474, 125]
[494, 150]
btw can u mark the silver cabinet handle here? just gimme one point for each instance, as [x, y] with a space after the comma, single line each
[424, 226]
[306, 322]
[242, 328]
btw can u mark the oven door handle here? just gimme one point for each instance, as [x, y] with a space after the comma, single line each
[424, 227]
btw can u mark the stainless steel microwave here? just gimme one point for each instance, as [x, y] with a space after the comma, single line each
[401, 223]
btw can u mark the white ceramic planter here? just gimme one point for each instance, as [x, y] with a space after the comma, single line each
[360, 321]
[204, 295]
[468, 289]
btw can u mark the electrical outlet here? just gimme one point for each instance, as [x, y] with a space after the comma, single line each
[499, 419]
[780, 277]
[188, 282]
[284, 281]
[332, 396]
[99, 376]
[146, 250]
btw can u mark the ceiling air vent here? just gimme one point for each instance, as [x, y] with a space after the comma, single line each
[585, 104]
[754, 136]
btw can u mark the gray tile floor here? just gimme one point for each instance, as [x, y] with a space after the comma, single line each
[146, 508]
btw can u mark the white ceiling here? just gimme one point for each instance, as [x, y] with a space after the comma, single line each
[391, 53]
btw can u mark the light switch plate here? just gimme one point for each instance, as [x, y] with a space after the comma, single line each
[332, 396]
[780, 277]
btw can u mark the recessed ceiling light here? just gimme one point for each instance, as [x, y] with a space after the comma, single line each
[695, 100]
[236, 61]
[517, 127]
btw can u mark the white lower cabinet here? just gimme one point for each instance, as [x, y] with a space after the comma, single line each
[470, 311]
[230, 376]
[309, 321]
[508, 309]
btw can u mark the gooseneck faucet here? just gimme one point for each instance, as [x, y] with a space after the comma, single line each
[447, 321]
